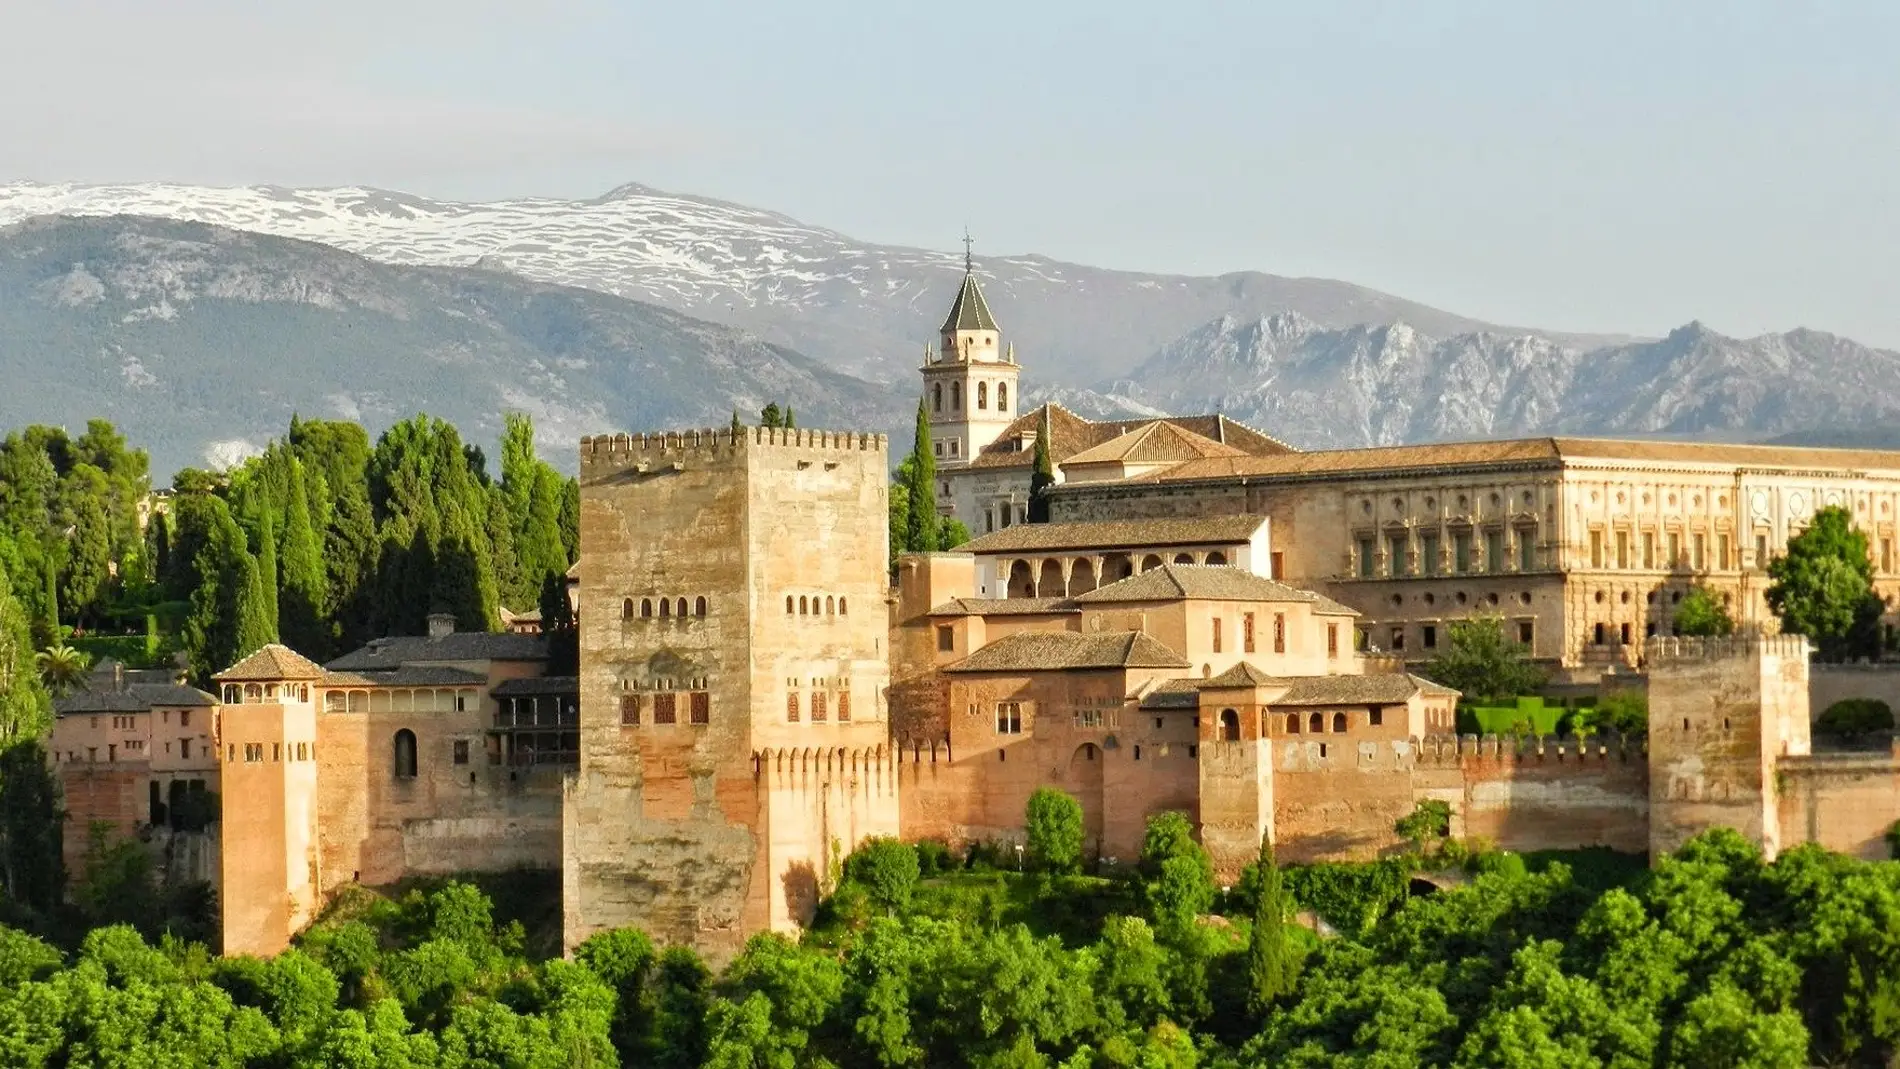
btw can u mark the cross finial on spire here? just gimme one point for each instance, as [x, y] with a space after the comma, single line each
[969, 263]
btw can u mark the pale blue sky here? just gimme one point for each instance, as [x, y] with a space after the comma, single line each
[1594, 166]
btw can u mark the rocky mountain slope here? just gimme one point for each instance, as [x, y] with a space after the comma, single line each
[862, 308]
[201, 341]
[1317, 387]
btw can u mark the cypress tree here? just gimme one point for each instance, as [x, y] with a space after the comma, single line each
[920, 521]
[516, 592]
[256, 621]
[1044, 475]
[519, 466]
[1269, 971]
[266, 557]
[791, 421]
[300, 577]
[737, 427]
[570, 522]
[541, 546]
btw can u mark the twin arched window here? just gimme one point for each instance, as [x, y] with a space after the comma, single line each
[982, 395]
[1002, 397]
[405, 754]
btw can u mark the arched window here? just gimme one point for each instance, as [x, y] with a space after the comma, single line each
[405, 755]
[679, 607]
[646, 608]
[666, 608]
[1184, 558]
[982, 395]
[1339, 722]
[1229, 725]
[1292, 723]
[626, 609]
[842, 609]
[956, 396]
[788, 604]
[831, 605]
[699, 606]
[1217, 557]
[1002, 397]
[936, 397]
[804, 607]
[1316, 723]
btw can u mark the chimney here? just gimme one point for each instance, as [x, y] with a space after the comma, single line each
[441, 623]
[118, 675]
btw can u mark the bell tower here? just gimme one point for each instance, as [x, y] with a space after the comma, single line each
[970, 379]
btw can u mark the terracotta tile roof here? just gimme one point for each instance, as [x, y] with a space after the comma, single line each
[1055, 651]
[1117, 534]
[271, 663]
[1377, 688]
[384, 654]
[132, 698]
[538, 686]
[1207, 582]
[1159, 442]
[1004, 607]
[1517, 451]
[419, 676]
[1070, 434]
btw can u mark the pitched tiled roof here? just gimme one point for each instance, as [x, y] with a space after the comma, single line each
[1724, 453]
[1376, 688]
[419, 676]
[1207, 582]
[1334, 461]
[537, 686]
[1117, 534]
[969, 311]
[1159, 442]
[387, 653]
[1045, 651]
[132, 698]
[1004, 607]
[270, 663]
[1070, 434]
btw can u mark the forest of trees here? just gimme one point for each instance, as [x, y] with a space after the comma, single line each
[1712, 959]
[323, 541]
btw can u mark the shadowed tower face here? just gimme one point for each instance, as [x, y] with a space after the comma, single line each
[970, 379]
[732, 680]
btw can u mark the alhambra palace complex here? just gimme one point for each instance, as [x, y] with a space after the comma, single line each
[1211, 622]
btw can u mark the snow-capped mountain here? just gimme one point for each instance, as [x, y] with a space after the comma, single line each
[862, 308]
[1378, 385]
[200, 342]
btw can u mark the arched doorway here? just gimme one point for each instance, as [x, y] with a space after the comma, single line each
[1022, 582]
[1084, 780]
[1229, 725]
[1049, 581]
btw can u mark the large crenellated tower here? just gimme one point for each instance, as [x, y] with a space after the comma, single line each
[1722, 713]
[733, 727]
[970, 381]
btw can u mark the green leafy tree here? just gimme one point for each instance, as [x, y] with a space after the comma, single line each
[84, 496]
[1427, 824]
[1053, 830]
[1822, 587]
[1269, 959]
[1169, 834]
[1625, 712]
[951, 533]
[32, 870]
[1043, 476]
[1701, 613]
[1479, 663]
[887, 869]
[26, 712]
[1851, 718]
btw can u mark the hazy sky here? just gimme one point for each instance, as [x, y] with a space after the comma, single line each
[1592, 166]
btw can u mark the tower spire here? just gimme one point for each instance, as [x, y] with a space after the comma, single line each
[969, 262]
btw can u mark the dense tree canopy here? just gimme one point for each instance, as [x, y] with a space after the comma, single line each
[1823, 587]
[1481, 664]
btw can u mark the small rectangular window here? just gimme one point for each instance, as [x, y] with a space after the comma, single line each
[1279, 633]
[1398, 552]
[1398, 639]
[1494, 551]
[844, 707]
[630, 710]
[791, 708]
[1596, 549]
[818, 710]
[1366, 559]
[184, 748]
[276, 751]
[1428, 637]
[1332, 640]
[1649, 549]
[1375, 716]
[1761, 551]
[1217, 635]
[664, 708]
[946, 639]
[460, 752]
[1526, 630]
[1721, 551]
[1009, 718]
[1246, 632]
[1622, 549]
[1194, 752]
[1428, 554]
[1137, 753]
[1695, 560]
[253, 752]
[700, 707]
[184, 718]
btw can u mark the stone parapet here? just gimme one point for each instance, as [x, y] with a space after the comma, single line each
[1673, 649]
[1451, 751]
[636, 448]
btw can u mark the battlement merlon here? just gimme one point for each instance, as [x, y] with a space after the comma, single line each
[1664, 650]
[1451, 751]
[667, 446]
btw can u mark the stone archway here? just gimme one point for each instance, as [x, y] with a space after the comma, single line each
[1022, 581]
[1049, 579]
[1084, 780]
[1082, 577]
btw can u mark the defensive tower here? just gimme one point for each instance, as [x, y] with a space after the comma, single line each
[733, 670]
